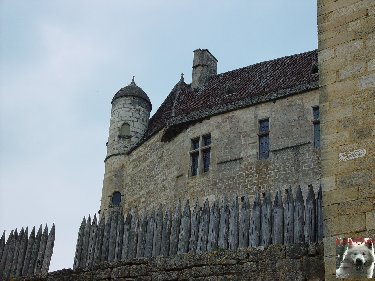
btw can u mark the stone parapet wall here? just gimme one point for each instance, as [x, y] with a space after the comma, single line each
[276, 262]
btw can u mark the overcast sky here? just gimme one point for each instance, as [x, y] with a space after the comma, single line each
[61, 62]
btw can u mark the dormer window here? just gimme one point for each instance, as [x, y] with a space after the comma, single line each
[125, 131]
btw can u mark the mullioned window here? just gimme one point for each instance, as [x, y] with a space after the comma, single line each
[200, 155]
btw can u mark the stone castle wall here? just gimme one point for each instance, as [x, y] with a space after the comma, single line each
[158, 172]
[347, 85]
[295, 262]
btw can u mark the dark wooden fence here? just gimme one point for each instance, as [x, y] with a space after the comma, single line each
[228, 224]
[23, 255]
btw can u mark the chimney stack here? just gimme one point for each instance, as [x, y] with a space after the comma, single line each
[204, 66]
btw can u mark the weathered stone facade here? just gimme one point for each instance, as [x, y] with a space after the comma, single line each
[347, 87]
[158, 172]
[277, 262]
[235, 167]
[151, 165]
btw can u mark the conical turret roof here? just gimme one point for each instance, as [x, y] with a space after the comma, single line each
[134, 91]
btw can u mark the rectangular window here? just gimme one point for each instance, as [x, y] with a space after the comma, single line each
[263, 135]
[206, 160]
[316, 123]
[194, 163]
[194, 144]
[200, 155]
[206, 140]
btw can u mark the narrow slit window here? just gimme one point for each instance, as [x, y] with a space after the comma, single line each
[263, 135]
[316, 123]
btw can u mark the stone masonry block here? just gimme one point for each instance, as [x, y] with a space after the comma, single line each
[367, 191]
[356, 206]
[355, 179]
[363, 26]
[362, 132]
[329, 246]
[329, 183]
[330, 211]
[326, 54]
[311, 266]
[296, 251]
[341, 195]
[326, 78]
[352, 70]
[371, 65]
[370, 220]
[328, 6]
[328, 34]
[367, 82]
[350, 48]
[340, 89]
[346, 224]
[340, 38]
[336, 139]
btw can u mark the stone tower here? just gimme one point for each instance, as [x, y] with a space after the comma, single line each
[130, 114]
[347, 86]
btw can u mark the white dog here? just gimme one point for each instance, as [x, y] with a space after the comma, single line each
[358, 261]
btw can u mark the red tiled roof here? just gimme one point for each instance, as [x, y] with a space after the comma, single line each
[236, 89]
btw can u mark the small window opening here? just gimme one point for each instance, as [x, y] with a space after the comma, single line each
[314, 68]
[263, 135]
[316, 124]
[116, 198]
[125, 131]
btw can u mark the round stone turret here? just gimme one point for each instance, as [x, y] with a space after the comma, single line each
[130, 114]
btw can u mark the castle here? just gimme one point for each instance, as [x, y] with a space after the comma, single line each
[258, 129]
[249, 130]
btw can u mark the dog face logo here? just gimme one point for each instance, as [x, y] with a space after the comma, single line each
[358, 260]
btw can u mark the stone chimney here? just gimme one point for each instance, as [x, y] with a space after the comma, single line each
[204, 66]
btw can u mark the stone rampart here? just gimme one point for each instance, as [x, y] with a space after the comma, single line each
[275, 262]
